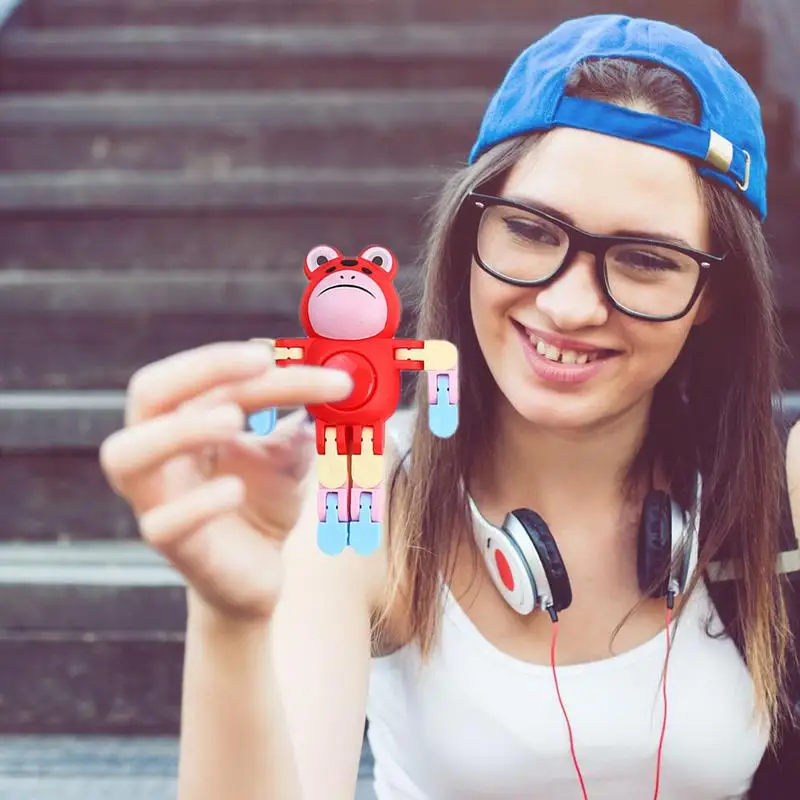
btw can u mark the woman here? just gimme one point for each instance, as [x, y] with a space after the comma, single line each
[594, 371]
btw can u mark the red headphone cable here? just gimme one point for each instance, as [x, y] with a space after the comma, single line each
[554, 618]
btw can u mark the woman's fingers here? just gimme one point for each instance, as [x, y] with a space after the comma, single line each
[295, 385]
[130, 452]
[164, 385]
[240, 372]
[166, 526]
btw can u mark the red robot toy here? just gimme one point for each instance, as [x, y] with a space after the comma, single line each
[351, 312]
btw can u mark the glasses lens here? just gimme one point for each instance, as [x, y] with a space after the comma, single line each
[652, 280]
[520, 245]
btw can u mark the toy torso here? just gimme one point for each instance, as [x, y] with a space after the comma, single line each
[371, 365]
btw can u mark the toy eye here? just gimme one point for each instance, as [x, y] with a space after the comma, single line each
[380, 257]
[320, 255]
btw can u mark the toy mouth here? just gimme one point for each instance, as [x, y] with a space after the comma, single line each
[346, 286]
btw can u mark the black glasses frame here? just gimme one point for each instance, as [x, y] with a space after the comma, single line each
[580, 241]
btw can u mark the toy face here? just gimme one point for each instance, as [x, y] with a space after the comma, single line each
[350, 298]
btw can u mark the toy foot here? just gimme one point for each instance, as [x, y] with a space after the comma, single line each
[332, 531]
[365, 533]
[443, 415]
[263, 422]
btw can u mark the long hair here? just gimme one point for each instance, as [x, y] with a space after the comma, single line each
[712, 411]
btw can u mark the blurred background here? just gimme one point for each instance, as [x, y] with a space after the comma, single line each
[164, 167]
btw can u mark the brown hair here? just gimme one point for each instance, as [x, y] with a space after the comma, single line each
[712, 411]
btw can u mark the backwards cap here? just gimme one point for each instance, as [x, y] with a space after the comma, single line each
[728, 142]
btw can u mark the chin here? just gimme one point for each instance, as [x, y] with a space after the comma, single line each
[546, 410]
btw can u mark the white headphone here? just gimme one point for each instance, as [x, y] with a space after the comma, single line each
[525, 565]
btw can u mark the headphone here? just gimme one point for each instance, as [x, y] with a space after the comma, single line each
[524, 562]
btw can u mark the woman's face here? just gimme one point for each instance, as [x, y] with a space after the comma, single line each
[608, 186]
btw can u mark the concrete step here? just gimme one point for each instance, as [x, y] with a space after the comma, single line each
[86, 13]
[250, 220]
[39, 767]
[87, 330]
[51, 485]
[245, 130]
[234, 58]
[93, 330]
[262, 220]
[91, 638]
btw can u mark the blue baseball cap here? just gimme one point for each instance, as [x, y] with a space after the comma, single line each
[728, 143]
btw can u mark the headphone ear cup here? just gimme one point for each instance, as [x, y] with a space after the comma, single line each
[655, 543]
[550, 563]
[509, 570]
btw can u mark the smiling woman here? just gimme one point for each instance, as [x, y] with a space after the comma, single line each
[546, 615]
[611, 294]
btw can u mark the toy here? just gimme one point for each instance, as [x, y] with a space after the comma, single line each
[351, 312]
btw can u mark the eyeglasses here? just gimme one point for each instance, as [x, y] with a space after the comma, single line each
[642, 278]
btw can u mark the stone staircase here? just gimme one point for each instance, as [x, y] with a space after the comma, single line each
[165, 166]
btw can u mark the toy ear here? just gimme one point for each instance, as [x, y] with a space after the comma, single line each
[319, 256]
[381, 257]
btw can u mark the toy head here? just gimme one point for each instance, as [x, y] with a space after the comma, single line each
[350, 298]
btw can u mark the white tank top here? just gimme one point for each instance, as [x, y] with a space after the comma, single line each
[475, 723]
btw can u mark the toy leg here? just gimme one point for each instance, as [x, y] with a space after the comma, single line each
[367, 461]
[443, 399]
[332, 468]
[366, 512]
[333, 527]
[334, 491]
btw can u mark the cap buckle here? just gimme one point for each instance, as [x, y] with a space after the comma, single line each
[746, 184]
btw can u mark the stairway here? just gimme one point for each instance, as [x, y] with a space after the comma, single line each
[165, 166]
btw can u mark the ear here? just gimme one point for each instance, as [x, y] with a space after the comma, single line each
[319, 256]
[381, 257]
[705, 308]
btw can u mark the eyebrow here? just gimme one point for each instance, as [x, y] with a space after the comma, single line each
[560, 215]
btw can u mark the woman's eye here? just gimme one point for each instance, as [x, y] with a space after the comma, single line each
[532, 231]
[642, 259]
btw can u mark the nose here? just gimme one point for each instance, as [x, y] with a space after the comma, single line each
[349, 262]
[575, 300]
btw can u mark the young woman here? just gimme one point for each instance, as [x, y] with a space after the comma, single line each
[601, 266]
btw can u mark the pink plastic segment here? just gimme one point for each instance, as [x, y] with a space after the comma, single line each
[452, 386]
[322, 502]
[377, 502]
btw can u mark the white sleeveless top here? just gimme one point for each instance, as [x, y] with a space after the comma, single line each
[475, 723]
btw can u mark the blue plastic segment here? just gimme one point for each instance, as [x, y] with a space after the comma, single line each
[365, 535]
[332, 533]
[443, 415]
[263, 422]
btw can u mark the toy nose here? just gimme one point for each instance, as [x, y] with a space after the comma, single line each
[349, 262]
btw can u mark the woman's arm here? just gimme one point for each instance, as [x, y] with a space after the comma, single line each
[277, 710]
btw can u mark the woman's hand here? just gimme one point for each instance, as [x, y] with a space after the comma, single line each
[216, 501]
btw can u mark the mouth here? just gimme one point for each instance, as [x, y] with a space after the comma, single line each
[577, 355]
[346, 286]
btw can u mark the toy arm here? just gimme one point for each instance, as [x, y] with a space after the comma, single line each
[439, 359]
[285, 351]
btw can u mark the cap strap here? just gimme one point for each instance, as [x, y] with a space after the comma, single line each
[670, 134]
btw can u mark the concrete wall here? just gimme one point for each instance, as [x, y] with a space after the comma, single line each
[780, 21]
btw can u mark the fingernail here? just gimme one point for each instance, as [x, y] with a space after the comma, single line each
[257, 353]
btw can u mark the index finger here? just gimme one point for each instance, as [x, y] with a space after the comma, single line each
[164, 385]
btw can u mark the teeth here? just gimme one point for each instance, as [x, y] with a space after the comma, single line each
[552, 353]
